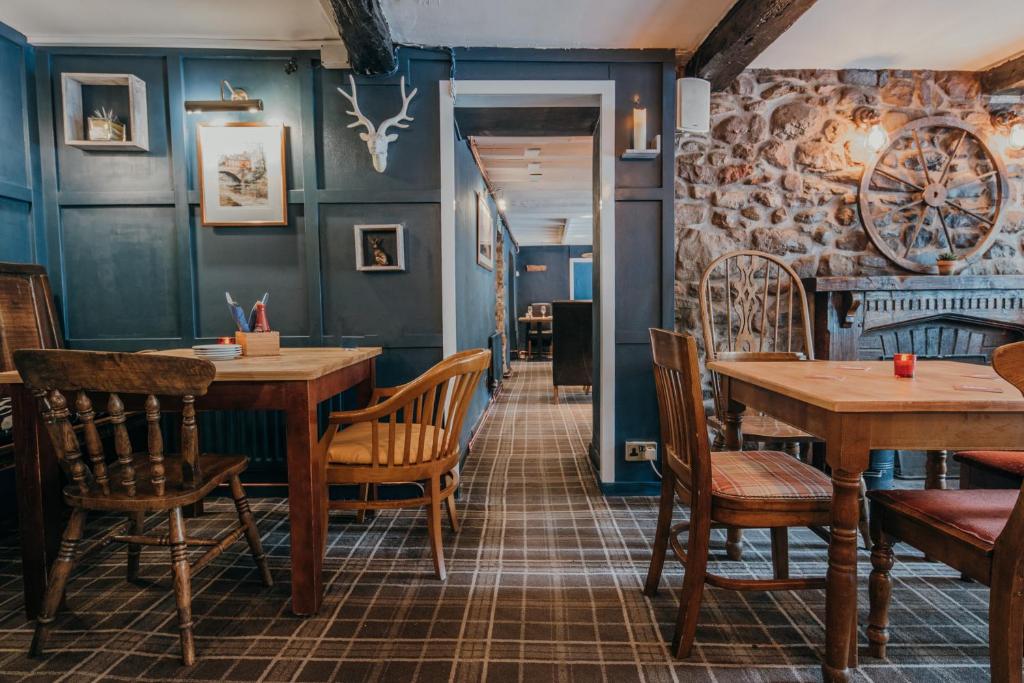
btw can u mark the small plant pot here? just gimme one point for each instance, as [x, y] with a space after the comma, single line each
[946, 267]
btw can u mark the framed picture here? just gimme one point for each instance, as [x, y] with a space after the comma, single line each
[380, 248]
[484, 233]
[241, 174]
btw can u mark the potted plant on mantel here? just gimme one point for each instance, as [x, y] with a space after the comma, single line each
[946, 263]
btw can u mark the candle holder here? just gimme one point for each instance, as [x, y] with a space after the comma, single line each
[225, 340]
[904, 364]
[640, 150]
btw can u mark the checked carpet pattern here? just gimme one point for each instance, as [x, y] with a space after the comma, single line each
[544, 585]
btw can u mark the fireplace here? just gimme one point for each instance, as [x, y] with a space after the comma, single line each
[957, 318]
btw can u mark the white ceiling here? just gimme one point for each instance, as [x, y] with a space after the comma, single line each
[900, 34]
[931, 34]
[555, 23]
[171, 23]
[554, 207]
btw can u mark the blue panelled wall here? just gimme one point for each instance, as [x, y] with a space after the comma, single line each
[132, 267]
[551, 284]
[20, 202]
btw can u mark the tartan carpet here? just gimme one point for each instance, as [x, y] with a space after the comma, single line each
[544, 584]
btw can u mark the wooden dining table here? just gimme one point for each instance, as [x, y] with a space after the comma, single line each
[856, 407]
[294, 382]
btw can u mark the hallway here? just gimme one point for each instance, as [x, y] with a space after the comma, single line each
[544, 585]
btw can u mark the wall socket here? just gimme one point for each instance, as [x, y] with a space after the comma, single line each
[639, 451]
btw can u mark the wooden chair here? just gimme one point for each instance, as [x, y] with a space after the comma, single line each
[748, 489]
[980, 532]
[408, 434]
[753, 307]
[540, 333]
[991, 469]
[138, 483]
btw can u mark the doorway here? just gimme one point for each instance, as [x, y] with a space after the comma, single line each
[599, 95]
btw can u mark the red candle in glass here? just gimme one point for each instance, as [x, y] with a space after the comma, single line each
[903, 364]
[224, 340]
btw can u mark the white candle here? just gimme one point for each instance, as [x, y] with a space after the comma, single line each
[639, 128]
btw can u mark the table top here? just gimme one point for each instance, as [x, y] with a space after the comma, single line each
[871, 387]
[293, 364]
[536, 319]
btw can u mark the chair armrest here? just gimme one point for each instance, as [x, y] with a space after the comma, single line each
[380, 393]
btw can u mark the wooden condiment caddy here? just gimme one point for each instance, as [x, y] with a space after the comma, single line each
[259, 343]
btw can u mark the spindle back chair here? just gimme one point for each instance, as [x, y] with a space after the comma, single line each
[412, 434]
[137, 482]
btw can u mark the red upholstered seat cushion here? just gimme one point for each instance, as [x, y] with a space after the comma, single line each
[1011, 462]
[767, 475]
[978, 513]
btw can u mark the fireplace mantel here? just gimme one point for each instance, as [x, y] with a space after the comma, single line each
[957, 316]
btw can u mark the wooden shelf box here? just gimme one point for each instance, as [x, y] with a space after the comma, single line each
[75, 115]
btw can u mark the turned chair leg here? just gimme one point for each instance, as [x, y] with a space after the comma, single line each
[453, 517]
[58, 580]
[137, 521]
[734, 544]
[662, 532]
[556, 394]
[182, 585]
[434, 528]
[697, 543]
[880, 592]
[780, 552]
[252, 532]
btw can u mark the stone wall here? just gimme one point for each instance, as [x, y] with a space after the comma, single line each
[780, 172]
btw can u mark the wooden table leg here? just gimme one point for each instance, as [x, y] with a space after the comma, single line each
[307, 491]
[935, 469]
[40, 504]
[848, 456]
[732, 421]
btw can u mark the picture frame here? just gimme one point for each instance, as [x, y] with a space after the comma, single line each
[241, 174]
[484, 233]
[380, 248]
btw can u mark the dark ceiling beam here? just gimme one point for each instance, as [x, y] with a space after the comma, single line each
[1008, 75]
[366, 35]
[744, 33]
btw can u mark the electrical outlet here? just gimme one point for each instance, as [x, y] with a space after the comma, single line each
[639, 451]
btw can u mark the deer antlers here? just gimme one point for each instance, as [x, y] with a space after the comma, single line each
[361, 120]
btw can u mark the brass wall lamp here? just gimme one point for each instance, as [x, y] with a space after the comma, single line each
[1011, 124]
[869, 120]
[231, 99]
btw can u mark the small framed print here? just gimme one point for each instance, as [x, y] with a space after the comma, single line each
[380, 248]
[242, 174]
[484, 233]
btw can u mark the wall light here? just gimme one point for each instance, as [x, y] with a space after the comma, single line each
[869, 121]
[231, 99]
[1011, 124]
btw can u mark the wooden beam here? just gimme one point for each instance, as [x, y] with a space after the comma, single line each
[1004, 76]
[366, 35]
[744, 33]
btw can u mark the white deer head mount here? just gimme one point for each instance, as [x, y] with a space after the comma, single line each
[376, 137]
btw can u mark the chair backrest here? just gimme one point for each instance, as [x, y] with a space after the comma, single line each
[1008, 560]
[684, 432]
[437, 399]
[51, 374]
[573, 343]
[27, 316]
[537, 306]
[751, 301]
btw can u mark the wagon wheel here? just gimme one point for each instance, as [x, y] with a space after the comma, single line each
[937, 187]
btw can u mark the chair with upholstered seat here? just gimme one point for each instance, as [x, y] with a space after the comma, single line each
[137, 483]
[741, 489]
[991, 469]
[976, 531]
[408, 434]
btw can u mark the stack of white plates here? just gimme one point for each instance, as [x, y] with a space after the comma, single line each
[216, 352]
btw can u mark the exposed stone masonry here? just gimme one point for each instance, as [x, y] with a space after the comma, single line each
[780, 172]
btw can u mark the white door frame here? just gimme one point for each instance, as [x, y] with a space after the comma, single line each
[542, 93]
[572, 274]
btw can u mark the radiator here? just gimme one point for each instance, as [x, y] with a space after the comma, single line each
[494, 373]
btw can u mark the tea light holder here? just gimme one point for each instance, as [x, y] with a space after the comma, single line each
[225, 340]
[903, 365]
